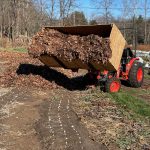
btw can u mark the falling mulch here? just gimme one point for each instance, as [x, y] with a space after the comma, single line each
[70, 47]
[21, 70]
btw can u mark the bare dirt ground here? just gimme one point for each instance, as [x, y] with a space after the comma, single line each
[32, 119]
[38, 115]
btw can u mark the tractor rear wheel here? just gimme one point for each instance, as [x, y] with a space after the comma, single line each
[136, 75]
[112, 85]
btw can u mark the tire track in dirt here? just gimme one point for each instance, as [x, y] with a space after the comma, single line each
[67, 126]
[72, 125]
[55, 124]
[5, 105]
[18, 113]
[59, 127]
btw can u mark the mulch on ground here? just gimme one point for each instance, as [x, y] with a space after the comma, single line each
[22, 70]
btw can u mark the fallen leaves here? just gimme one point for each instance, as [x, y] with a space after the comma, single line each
[21, 70]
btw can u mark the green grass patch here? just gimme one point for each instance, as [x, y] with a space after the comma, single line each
[132, 104]
[17, 49]
[135, 91]
[124, 141]
[21, 49]
[147, 76]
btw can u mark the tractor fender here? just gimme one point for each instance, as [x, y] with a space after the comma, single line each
[129, 65]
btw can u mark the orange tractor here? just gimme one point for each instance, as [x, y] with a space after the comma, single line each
[130, 70]
[123, 65]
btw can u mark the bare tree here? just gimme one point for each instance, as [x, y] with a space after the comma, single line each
[105, 5]
[19, 17]
[125, 14]
[52, 4]
[133, 13]
[146, 4]
[65, 8]
[133, 7]
[41, 7]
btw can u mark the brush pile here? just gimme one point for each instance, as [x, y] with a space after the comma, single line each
[70, 47]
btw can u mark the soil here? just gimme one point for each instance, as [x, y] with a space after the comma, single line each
[32, 119]
[18, 113]
[37, 118]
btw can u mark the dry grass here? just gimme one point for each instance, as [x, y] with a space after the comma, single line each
[115, 120]
[143, 47]
[5, 43]
[20, 41]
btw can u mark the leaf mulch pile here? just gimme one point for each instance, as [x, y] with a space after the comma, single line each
[70, 47]
[21, 70]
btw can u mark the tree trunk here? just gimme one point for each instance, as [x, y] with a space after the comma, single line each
[17, 19]
[145, 24]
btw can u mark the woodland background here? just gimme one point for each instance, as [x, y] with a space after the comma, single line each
[21, 19]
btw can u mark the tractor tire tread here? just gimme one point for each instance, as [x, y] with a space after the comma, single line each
[109, 81]
[133, 75]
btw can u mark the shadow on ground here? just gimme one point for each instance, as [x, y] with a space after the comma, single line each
[125, 83]
[75, 83]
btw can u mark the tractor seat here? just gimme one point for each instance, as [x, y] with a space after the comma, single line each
[126, 56]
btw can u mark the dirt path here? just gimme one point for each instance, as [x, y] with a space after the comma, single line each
[17, 115]
[60, 128]
[3, 67]
[41, 120]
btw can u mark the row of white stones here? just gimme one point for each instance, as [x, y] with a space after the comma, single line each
[72, 126]
[49, 124]
[61, 125]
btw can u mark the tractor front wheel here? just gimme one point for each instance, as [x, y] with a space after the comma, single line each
[112, 85]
